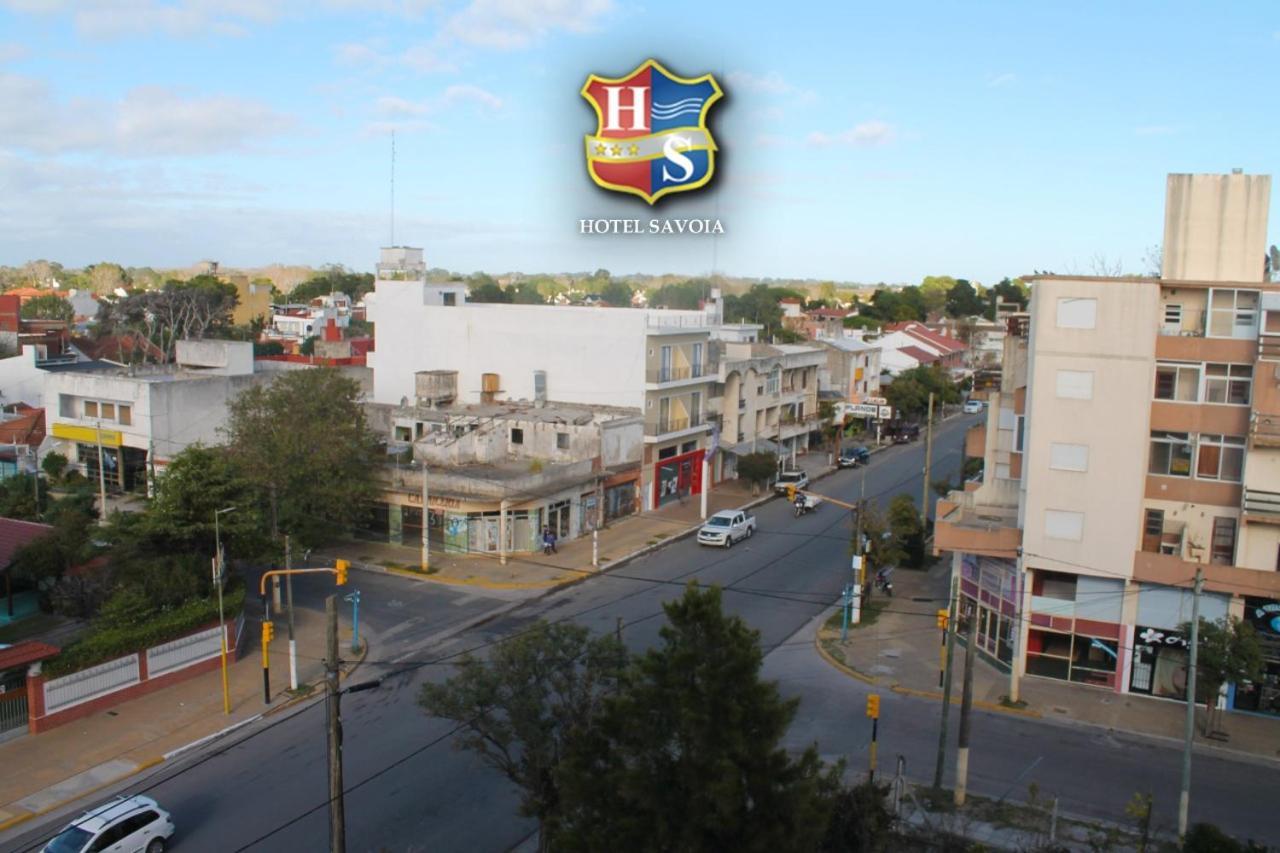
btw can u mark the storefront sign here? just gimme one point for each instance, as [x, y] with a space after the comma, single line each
[1157, 637]
[447, 503]
[1264, 615]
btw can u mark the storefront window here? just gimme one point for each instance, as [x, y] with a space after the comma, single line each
[1159, 663]
[1263, 695]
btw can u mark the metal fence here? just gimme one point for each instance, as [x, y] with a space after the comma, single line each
[13, 713]
[62, 693]
[183, 652]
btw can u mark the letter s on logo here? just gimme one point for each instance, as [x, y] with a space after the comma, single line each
[672, 153]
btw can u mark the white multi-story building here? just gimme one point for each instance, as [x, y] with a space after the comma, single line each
[655, 361]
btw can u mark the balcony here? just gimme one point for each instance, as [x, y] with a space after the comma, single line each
[1260, 507]
[1191, 325]
[664, 375]
[962, 524]
[1264, 430]
[1171, 570]
[675, 426]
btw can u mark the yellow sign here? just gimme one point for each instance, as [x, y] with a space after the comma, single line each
[88, 435]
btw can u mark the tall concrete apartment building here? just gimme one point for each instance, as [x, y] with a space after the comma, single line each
[1134, 442]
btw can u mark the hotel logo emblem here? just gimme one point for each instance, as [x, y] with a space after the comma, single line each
[651, 134]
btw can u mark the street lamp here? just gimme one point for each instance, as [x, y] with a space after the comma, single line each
[219, 573]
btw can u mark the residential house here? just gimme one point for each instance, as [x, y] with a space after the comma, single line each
[656, 361]
[913, 337]
[253, 300]
[1143, 452]
[22, 431]
[852, 370]
[769, 401]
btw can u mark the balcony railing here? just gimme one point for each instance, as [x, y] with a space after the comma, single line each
[1191, 325]
[673, 425]
[678, 374]
[789, 418]
[1268, 346]
[1264, 430]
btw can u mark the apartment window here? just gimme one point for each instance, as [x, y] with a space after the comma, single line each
[1223, 549]
[517, 435]
[664, 366]
[1019, 433]
[1075, 384]
[90, 408]
[697, 360]
[66, 405]
[1219, 457]
[450, 299]
[1076, 313]
[1170, 454]
[1179, 382]
[1173, 317]
[695, 408]
[1061, 524]
[1233, 313]
[773, 383]
[1152, 530]
[689, 446]
[1059, 585]
[1227, 383]
[562, 441]
[664, 412]
[108, 411]
[1069, 457]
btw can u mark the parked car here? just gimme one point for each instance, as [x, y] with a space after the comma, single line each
[726, 527]
[799, 479]
[127, 824]
[852, 457]
[972, 407]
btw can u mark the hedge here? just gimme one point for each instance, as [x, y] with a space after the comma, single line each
[108, 642]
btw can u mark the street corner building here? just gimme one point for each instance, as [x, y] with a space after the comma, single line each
[1134, 441]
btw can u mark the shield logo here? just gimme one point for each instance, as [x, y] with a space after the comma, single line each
[651, 134]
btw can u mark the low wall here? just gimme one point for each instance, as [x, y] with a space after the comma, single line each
[54, 701]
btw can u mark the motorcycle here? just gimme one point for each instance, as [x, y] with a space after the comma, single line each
[806, 503]
[883, 583]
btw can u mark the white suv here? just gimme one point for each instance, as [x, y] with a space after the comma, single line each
[124, 825]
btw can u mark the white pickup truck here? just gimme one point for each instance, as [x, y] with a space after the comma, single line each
[726, 527]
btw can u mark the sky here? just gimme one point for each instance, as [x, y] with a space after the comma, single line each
[857, 141]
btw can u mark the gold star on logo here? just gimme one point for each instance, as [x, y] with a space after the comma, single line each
[616, 151]
[633, 150]
[599, 147]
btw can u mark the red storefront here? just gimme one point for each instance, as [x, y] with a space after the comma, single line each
[677, 477]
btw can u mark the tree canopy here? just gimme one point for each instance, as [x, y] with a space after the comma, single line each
[335, 279]
[303, 444]
[179, 310]
[50, 306]
[909, 391]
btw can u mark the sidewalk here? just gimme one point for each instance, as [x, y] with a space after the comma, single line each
[75, 759]
[901, 650]
[623, 540]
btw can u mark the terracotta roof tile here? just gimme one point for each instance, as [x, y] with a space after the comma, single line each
[28, 651]
[15, 533]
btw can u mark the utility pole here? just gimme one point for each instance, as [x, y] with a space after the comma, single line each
[1184, 799]
[102, 479]
[928, 466]
[337, 822]
[966, 706]
[859, 557]
[288, 592]
[946, 690]
[426, 522]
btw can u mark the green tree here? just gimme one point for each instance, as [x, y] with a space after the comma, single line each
[335, 279]
[48, 307]
[617, 293]
[1005, 291]
[757, 468]
[689, 755]
[487, 291]
[859, 321]
[196, 483]
[861, 821]
[525, 293]
[685, 295]
[907, 531]
[1228, 652]
[909, 391]
[53, 465]
[105, 278]
[305, 447]
[963, 300]
[933, 292]
[308, 346]
[522, 706]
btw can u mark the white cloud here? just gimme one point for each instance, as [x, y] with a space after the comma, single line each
[180, 18]
[148, 121]
[12, 52]
[767, 84]
[511, 24]
[475, 94]
[868, 133]
[995, 81]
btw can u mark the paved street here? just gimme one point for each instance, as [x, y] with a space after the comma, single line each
[409, 790]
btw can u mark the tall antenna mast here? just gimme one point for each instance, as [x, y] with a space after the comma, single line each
[393, 188]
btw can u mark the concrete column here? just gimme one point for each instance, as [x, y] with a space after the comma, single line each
[502, 532]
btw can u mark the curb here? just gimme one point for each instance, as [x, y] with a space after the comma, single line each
[845, 668]
[986, 706]
[17, 820]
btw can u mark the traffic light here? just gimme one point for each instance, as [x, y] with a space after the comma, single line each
[340, 568]
[942, 619]
[268, 632]
[791, 492]
[873, 706]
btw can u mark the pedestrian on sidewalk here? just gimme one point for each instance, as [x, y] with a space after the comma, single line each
[548, 541]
